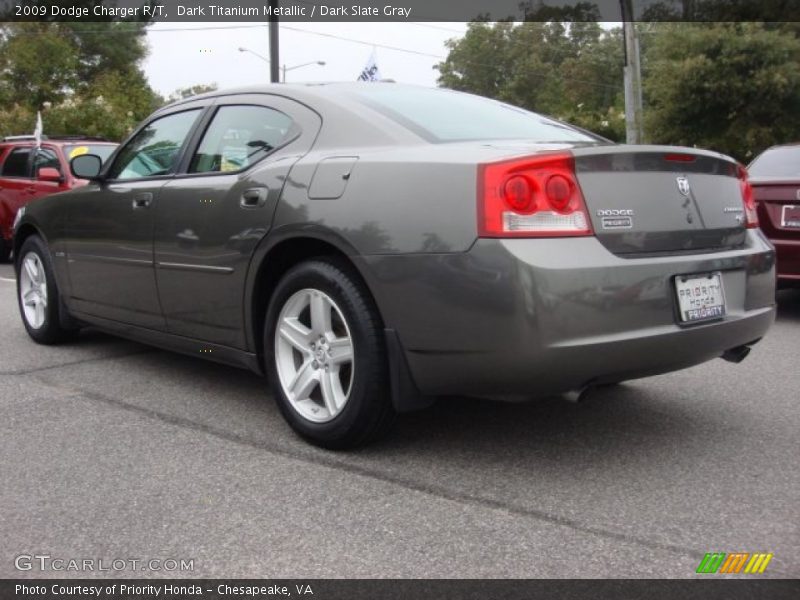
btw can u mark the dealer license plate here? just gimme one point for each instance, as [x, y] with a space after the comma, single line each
[791, 216]
[700, 297]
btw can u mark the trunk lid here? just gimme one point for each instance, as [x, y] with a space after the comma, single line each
[645, 200]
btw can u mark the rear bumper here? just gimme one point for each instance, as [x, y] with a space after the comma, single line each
[788, 259]
[538, 317]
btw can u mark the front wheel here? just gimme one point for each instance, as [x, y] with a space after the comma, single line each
[37, 292]
[325, 356]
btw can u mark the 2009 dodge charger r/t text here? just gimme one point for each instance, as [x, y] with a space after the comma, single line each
[371, 246]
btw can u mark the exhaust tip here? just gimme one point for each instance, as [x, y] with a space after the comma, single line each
[736, 355]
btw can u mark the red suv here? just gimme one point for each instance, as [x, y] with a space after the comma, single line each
[27, 173]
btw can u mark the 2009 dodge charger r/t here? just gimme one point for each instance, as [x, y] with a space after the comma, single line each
[370, 246]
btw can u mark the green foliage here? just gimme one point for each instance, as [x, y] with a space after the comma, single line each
[732, 87]
[188, 92]
[84, 77]
[572, 71]
[721, 10]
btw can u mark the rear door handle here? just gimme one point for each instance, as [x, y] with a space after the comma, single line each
[253, 198]
[142, 200]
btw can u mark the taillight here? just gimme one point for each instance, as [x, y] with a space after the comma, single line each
[536, 196]
[747, 197]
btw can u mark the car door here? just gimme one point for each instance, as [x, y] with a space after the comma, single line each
[110, 224]
[15, 184]
[214, 213]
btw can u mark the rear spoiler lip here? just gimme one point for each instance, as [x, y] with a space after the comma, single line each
[648, 149]
[774, 181]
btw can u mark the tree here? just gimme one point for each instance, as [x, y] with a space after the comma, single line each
[572, 71]
[732, 87]
[188, 92]
[769, 11]
[84, 77]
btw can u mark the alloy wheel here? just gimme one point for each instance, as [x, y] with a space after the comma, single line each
[33, 290]
[314, 355]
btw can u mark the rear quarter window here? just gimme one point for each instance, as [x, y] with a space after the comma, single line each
[15, 163]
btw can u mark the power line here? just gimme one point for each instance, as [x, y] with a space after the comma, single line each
[428, 55]
[363, 43]
[336, 37]
[437, 27]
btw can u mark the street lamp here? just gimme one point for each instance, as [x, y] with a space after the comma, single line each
[284, 68]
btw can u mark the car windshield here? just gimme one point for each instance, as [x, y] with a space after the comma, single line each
[777, 162]
[101, 150]
[447, 116]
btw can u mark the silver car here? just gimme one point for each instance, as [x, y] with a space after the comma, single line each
[372, 246]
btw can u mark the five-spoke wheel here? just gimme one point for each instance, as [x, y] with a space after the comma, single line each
[314, 355]
[37, 292]
[33, 290]
[325, 355]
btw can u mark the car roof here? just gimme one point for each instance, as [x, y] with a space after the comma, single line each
[780, 146]
[56, 141]
[330, 90]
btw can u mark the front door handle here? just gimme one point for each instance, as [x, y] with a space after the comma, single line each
[143, 200]
[253, 198]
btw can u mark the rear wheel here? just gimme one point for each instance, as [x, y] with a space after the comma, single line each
[325, 356]
[37, 292]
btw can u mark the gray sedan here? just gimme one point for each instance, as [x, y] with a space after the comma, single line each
[371, 246]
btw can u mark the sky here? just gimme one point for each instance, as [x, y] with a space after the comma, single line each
[186, 54]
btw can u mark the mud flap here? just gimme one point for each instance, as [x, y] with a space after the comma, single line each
[406, 397]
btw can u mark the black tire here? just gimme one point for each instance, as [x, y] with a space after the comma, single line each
[367, 413]
[51, 330]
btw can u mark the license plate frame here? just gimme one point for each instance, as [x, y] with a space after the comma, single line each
[700, 297]
[793, 221]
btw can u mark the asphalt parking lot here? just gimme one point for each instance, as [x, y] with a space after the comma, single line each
[110, 449]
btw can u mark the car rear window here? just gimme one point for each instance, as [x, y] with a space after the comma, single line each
[440, 115]
[101, 150]
[777, 162]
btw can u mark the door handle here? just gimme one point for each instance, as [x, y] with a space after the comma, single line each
[253, 198]
[142, 200]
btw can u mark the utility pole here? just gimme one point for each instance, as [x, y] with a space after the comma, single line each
[633, 76]
[274, 47]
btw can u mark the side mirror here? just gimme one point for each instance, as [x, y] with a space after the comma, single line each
[86, 166]
[49, 174]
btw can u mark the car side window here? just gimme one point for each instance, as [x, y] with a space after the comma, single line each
[154, 150]
[16, 163]
[46, 157]
[240, 136]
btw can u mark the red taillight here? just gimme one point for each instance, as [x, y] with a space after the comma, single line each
[747, 197]
[518, 193]
[536, 196]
